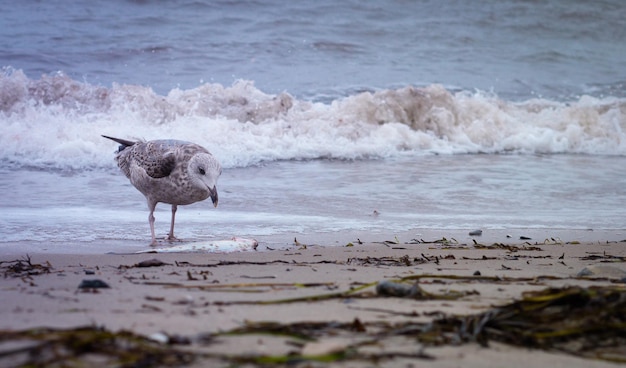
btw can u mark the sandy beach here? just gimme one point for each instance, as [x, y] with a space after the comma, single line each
[420, 183]
[303, 304]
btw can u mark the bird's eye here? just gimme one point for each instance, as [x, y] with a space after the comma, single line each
[201, 171]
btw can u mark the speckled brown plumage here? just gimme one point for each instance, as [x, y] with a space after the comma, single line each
[169, 171]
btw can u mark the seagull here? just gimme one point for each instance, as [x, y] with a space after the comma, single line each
[169, 171]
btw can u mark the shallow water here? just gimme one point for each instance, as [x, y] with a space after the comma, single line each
[299, 198]
[329, 118]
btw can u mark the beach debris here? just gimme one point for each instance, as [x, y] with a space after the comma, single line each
[87, 346]
[258, 277]
[190, 277]
[155, 298]
[525, 238]
[385, 261]
[401, 290]
[150, 308]
[509, 247]
[165, 338]
[300, 246]
[586, 322]
[443, 241]
[234, 244]
[159, 337]
[483, 258]
[476, 233]
[604, 257]
[325, 347]
[599, 270]
[152, 263]
[391, 242]
[93, 284]
[24, 267]
[355, 291]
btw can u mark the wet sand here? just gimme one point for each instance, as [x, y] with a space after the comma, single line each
[195, 298]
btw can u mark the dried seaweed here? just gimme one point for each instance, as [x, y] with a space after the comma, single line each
[24, 267]
[84, 346]
[588, 322]
[508, 247]
[604, 258]
[443, 241]
[250, 285]
[306, 331]
[383, 289]
[385, 261]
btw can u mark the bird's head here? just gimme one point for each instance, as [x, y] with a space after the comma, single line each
[204, 170]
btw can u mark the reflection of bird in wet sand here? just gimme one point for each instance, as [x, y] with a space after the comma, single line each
[169, 171]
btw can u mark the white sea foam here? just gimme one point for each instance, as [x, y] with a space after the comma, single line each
[56, 122]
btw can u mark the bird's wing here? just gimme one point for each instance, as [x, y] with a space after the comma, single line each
[159, 167]
[159, 160]
[159, 163]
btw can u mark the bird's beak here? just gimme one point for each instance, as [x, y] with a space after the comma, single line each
[213, 194]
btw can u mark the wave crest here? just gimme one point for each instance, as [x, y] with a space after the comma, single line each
[56, 121]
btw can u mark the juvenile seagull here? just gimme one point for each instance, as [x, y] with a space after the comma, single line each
[169, 171]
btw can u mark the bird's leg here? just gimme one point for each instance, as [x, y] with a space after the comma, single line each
[151, 221]
[171, 236]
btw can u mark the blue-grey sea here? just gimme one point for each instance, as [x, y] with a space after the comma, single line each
[349, 117]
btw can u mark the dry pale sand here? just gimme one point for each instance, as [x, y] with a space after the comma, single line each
[194, 297]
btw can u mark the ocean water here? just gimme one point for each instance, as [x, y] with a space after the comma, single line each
[328, 118]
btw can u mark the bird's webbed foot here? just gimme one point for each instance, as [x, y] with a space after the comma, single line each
[171, 238]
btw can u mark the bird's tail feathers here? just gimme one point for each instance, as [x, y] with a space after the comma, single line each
[124, 143]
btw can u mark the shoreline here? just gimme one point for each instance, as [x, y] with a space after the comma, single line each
[340, 238]
[189, 296]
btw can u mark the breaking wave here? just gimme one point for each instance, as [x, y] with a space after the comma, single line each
[56, 122]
